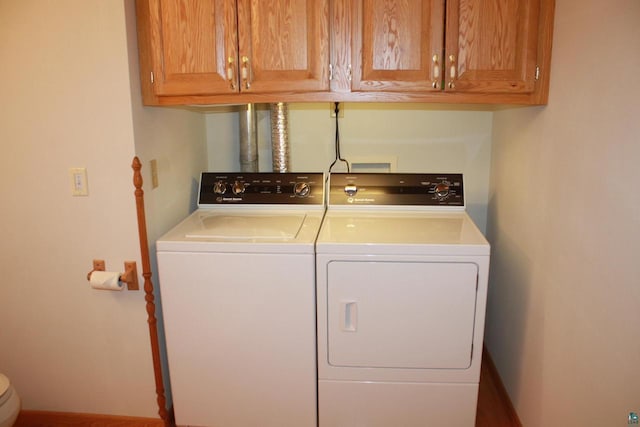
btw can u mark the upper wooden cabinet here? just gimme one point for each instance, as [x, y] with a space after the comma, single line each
[491, 45]
[212, 47]
[393, 43]
[284, 45]
[190, 45]
[239, 51]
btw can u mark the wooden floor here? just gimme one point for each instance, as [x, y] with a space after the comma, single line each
[494, 407]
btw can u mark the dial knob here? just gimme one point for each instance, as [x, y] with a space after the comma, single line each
[301, 189]
[442, 189]
[350, 190]
[237, 188]
[220, 187]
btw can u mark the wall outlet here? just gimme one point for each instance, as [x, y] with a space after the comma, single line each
[78, 178]
[332, 110]
[154, 173]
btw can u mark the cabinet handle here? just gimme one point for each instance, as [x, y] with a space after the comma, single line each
[436, 71]
[231, 73]
[246, 72]
[330, 72]
[452, 71]
[349, 76]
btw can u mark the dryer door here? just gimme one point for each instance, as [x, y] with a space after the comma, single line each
[393, 314]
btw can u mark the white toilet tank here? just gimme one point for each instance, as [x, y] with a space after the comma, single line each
[9, 402]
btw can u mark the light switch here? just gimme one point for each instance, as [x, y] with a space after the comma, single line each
[78, 178]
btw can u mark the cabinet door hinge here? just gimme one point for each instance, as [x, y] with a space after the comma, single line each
[152, 78]
[537, 72]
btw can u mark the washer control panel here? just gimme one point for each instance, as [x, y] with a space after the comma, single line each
[401, 189]
[261, 188]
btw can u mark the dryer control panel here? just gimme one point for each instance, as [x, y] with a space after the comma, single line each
[396, 189]
[260, 188]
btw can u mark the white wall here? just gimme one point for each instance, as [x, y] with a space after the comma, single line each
[66, 102]
[417, 138]
[564, 221]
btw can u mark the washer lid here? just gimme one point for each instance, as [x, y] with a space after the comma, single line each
[4, 384]
[245, 230]
[243, 227]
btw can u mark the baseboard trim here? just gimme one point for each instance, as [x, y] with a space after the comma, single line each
[61, 419]
[500, 389]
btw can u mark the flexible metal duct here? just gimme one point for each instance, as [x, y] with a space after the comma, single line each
[280, 136]
[248, 139]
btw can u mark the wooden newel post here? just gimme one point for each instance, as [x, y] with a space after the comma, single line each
[148, 290]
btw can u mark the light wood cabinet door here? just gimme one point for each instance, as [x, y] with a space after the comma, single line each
[193, 46]
[491, 45]
[397, 45]
[283, 45]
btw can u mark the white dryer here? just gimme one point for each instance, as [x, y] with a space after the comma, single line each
[237, 282]
[401, 293]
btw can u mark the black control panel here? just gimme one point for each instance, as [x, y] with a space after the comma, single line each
[255, 188]
[402, 189]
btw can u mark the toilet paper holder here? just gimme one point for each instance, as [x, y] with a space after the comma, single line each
[130, 275]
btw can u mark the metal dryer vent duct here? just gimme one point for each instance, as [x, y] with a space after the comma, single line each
[248, 139]
[280, 136]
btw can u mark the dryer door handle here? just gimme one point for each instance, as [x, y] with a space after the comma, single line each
[349, 316]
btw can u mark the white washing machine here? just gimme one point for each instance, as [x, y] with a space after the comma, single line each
[237, 281]
[401, 292]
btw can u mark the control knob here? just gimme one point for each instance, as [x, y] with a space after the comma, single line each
[220, 187]
[301, 189]
[350, 190]
[442, 189]
[237, 188]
